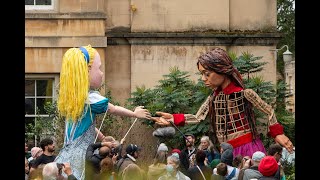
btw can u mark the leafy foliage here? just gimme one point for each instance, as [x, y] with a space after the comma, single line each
[44, 126]
[176, 93]
[266, 90]
[246, 64]
[286, 23]
[286, 26]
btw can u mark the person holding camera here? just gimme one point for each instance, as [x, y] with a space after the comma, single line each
[54, 170]
[92, 163]
[250, 167]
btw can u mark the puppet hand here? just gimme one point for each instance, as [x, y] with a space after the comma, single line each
[141, 113]
[284, 141]
[163, 119]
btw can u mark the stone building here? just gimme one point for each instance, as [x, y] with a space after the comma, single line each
[290, 81]
[139, 40]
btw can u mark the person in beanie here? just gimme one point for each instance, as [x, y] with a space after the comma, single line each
[35, 153]
[158, 167]
[250, 168]
[175, 151]
[268, 167]
[227, 158]
[163, 147]
[230, 108]
[223, 146]
[132, 154]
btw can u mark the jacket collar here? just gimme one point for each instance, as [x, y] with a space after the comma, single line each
[231, 88]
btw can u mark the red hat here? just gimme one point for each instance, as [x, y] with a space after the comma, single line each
[268, 166]
[175, 151]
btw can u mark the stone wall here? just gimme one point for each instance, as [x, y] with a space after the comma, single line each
[140, 40]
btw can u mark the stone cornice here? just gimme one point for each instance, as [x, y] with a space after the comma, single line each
[54, 42]
[192, 34]
[192, 38]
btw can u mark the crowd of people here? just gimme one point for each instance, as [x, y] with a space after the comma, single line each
[232, 150]
[107, 159]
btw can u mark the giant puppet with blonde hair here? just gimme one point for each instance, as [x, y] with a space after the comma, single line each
[79, 102]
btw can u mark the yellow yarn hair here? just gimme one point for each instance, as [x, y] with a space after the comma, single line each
[74, 83]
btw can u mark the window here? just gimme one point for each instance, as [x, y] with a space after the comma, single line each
[38, 92]
[39, 4]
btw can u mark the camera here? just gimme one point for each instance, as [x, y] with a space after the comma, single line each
[250, 163]
[60, 166]
[113, 152]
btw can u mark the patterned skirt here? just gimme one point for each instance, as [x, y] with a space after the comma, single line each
[75, 151]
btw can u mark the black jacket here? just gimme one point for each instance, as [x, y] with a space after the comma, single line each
[194, 174]
[184, 159]
[92, 164]
[72, 177]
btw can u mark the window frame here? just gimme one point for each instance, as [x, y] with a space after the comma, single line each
[41, 7]
[55, 79]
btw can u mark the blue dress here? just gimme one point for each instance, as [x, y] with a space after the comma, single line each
[79, 135]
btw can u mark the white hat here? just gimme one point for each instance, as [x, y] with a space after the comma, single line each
[258, 155]
[162, 147]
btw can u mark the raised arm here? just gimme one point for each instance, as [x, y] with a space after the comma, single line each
[139, 112]
[100, 135]
[275, 128]
[182, 119]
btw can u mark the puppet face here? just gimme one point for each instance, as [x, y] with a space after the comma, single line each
[95, 73]
[210, 78]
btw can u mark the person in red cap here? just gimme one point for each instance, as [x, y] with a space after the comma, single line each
[268, 167]
[175, 151]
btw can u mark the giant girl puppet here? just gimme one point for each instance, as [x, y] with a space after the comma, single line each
[229, 108]
[78, 103]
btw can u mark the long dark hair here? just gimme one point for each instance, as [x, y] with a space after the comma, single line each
[219, 61]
